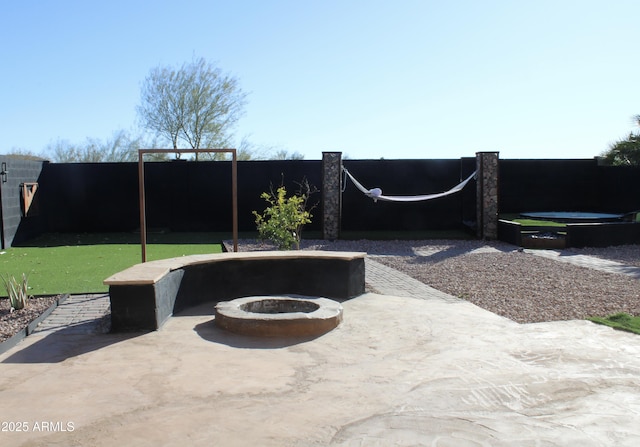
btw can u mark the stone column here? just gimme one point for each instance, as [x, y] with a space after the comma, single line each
[331, 194]
[487, 195]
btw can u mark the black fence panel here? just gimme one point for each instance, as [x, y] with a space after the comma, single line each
[90, 197]
[180, 195]
[567, 185]
[468, 195]
[408, 178]
[619, 188]
[257, 177]
[196, 196]
[548, 185]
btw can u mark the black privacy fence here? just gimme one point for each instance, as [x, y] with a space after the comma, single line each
[186, 196]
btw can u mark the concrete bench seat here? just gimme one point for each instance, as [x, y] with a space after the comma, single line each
[145, 295]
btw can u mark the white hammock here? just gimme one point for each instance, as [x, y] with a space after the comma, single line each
[376, 193]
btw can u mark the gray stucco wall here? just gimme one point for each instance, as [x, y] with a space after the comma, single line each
[14, 225]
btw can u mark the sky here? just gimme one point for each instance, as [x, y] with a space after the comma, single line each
[401, 79]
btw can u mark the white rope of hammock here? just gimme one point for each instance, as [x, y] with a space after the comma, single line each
[376, 193]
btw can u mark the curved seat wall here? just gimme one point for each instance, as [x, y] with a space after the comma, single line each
[144, 296]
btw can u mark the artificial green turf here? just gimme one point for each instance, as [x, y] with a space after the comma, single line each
[531, 222]
[622, 321]
[81, 268]
[539, 223]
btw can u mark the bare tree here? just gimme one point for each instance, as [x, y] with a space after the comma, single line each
[284, 154]
[121, 147]
[162, 109]
[193, 106]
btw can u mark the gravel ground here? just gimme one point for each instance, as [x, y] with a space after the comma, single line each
[626, 254]
[495, 276]
[12, 322]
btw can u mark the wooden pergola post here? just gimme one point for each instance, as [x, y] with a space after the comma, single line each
[234, 189]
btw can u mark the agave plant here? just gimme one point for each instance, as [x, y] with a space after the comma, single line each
[17, 291]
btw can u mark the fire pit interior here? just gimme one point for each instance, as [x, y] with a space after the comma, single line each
[278, 316]
[279, 306]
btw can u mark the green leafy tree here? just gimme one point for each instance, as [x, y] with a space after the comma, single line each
[282, 221]
[194, 106]
[625, 152]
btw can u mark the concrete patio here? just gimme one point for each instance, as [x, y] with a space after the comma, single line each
[421, 369]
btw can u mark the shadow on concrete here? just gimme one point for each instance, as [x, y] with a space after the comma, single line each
[439, 256]
[455, 251]
[66, 343]
[210, 332]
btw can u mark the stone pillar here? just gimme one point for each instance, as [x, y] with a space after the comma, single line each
[331, 194]
[487, 195]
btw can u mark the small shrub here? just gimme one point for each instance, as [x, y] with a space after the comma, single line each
[282, 221]
[17, 291]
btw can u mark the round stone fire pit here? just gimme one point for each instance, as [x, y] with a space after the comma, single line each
[278, 316]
